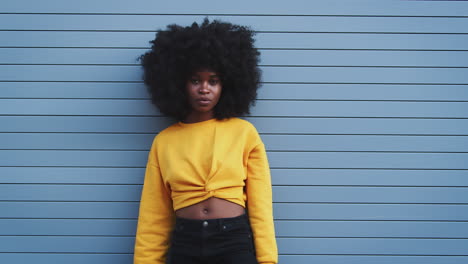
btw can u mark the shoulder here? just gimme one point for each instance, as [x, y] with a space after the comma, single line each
[239, 123]
[165, 134]
[244, 129]
[168, 130]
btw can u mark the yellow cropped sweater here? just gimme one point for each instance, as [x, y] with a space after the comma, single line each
[189, 163]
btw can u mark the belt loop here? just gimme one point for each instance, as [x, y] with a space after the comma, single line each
[179, 225]
[221, 224]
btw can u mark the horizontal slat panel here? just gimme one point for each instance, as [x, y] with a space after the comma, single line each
[268, 57]
[364, 58]
[76, 141]
[72, 175]
[267, 91]
[68, 227]
[277, 159]
[286, 259]
[363, 143]
[371, 212]
[272, 142]
[270, 74]
[105, 227]
[370, 229]
[86, 124]
[291, 194]
[361, 41]
[262, 108]
[342, 236]
[325, 194]
[396, 177]
[333, 7]
[31, 244]
[70, 210]
[372, 246]
[360, 109]
[359, 126]
[259, 23]
[78, 258]
[73, 158]
[360, 92]
[282, 211]
[285, 245]
[350, 259]
[77, 106]
[85, 90]
[279, 176]
[16, 192]
[369, 160]
[264, 40]
[72, 56]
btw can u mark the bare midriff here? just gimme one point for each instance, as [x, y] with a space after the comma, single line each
[211, 208]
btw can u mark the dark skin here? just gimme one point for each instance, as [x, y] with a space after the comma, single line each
[204, 90]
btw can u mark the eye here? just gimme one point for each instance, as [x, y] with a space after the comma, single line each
[214, 81]
[194, 81]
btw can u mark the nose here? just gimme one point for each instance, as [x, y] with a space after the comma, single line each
[204, 88]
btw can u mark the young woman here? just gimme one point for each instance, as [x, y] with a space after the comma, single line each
[207, 191]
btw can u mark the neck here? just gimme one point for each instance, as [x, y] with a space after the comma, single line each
[195, 117]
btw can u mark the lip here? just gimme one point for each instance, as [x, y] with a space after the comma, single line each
[203, 100]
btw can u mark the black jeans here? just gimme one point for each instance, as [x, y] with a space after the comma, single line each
[223, 241]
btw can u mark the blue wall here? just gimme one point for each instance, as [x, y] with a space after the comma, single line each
[363, 110]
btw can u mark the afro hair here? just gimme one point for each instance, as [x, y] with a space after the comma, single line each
[178, 52]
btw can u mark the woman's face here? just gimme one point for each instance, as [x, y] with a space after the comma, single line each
[203, 90]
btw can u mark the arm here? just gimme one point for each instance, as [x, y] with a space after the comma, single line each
[156, 217]
[260, 207]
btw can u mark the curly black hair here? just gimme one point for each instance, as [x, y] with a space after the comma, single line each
[178, 52]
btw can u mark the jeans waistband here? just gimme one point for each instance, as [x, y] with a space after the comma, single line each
[219, 224]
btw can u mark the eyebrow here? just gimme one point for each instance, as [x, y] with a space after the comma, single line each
[211, 76]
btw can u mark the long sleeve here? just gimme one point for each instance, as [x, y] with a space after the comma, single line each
[259, 204]
[156, 217]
